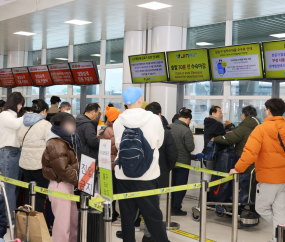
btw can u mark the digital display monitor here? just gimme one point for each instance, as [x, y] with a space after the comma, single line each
[7, 78]
[274, 59]
[40, 75]
[236, 62]
[85, 73]
[61, 74]
[22, 76]
[188, 65]
[148, 68]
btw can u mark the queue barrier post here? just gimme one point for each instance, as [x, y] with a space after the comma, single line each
[8, 209]
[108, 221]
[32, 195]
[170, 225]
[235, 208]
[84, 217]
[280, 233]
[203, 211]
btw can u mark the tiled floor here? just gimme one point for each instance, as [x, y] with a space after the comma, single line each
[218, 229]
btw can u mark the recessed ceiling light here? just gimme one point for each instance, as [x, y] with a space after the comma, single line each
[24, 33]
[61, 58]
[113, 61]
[95, 55]
[154, 5]
[77, 22]
[203, 43]
[278, 35]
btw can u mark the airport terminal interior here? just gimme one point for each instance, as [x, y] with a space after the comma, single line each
[113, 35]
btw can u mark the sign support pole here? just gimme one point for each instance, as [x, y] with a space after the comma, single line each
[83, 94]
[42, 93]
[180, 97]
[9, 91]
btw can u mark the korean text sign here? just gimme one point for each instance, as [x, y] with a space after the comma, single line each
[274, 58]
[84, 73]
[61, 74]
[188, 65]
[7, 78]
[236, 62]
[40, 75]
[22, 76]
[87, 175]
[148, 68]
[105, 166]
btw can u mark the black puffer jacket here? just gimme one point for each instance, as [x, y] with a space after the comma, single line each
[168, 154]
[88, 137]
[212, 128]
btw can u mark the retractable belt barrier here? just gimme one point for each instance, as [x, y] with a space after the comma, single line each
[96, 202]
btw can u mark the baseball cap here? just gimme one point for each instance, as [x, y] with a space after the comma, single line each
[132, 94]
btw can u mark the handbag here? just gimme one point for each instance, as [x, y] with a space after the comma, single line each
[38, 230]
[26, 135]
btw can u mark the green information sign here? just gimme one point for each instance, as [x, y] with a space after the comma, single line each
[148, 68]
[106, 183]
[189, 65]
[274, 58]
[236, 62]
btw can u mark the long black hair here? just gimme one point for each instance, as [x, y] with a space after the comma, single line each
[13, 100]
[39, 105]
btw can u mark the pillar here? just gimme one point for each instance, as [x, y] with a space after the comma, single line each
[166, 38]
[42, 90]
[1, 61]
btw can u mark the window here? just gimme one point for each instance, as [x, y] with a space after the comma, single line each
[75, 106]
[91, 90]
[47, 100]
[92, 100]
[90, 51]
[200, 108]
[114, 51]
[117, 102]
[35, 58]
[56, 90]
[237, 105]
[251, 88]
[204, 88]
[33, 90]
[57, 55]
[114, 81]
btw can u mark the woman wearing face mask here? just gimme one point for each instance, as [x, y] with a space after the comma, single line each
[9, 145]
[32, 137]
[61, 167]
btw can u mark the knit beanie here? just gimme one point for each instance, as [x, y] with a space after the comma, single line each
[144, 104]
[112, 113]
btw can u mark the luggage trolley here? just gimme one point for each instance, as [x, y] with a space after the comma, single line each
[222, 208]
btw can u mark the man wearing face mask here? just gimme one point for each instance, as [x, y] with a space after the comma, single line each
[185, 143]
[65, 107]
[87, 132]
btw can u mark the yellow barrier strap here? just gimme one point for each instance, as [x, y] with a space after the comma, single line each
[14, 182]
[66, 196]
[95, 205]
[98, 199]
[220, 181]
[156, 191]
[217, 173]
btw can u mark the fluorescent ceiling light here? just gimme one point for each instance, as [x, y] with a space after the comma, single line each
[113, 61]
[278, 35]
[154, 5]
[203, 43]
[24, 33]
[95, 55]
[77, 22]
[61, 58]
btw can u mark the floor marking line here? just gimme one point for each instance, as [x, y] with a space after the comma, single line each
[189, 235]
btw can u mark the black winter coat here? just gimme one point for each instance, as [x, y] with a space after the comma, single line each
[88, 136]
[3, 217]
[168, 154]
[212, 128]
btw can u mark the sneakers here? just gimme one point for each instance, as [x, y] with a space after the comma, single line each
[146, 239]
[116, 223]
[119, 234]
[180, 213]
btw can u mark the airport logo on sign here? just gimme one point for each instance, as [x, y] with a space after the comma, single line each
[186, 55]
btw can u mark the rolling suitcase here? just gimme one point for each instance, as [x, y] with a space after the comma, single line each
[27, 223]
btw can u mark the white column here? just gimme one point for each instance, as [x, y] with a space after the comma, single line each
[70, 53]
[133, 45]
[44, 56]
[166, 38]
[1, 61]
[227, 84]
[16, 58]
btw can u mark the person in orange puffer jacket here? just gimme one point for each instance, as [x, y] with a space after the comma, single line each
[112, 114]
[265, 147]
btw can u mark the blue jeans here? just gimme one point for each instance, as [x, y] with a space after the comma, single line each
[9, 166]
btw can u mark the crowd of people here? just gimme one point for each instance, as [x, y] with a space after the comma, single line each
[45, 144]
